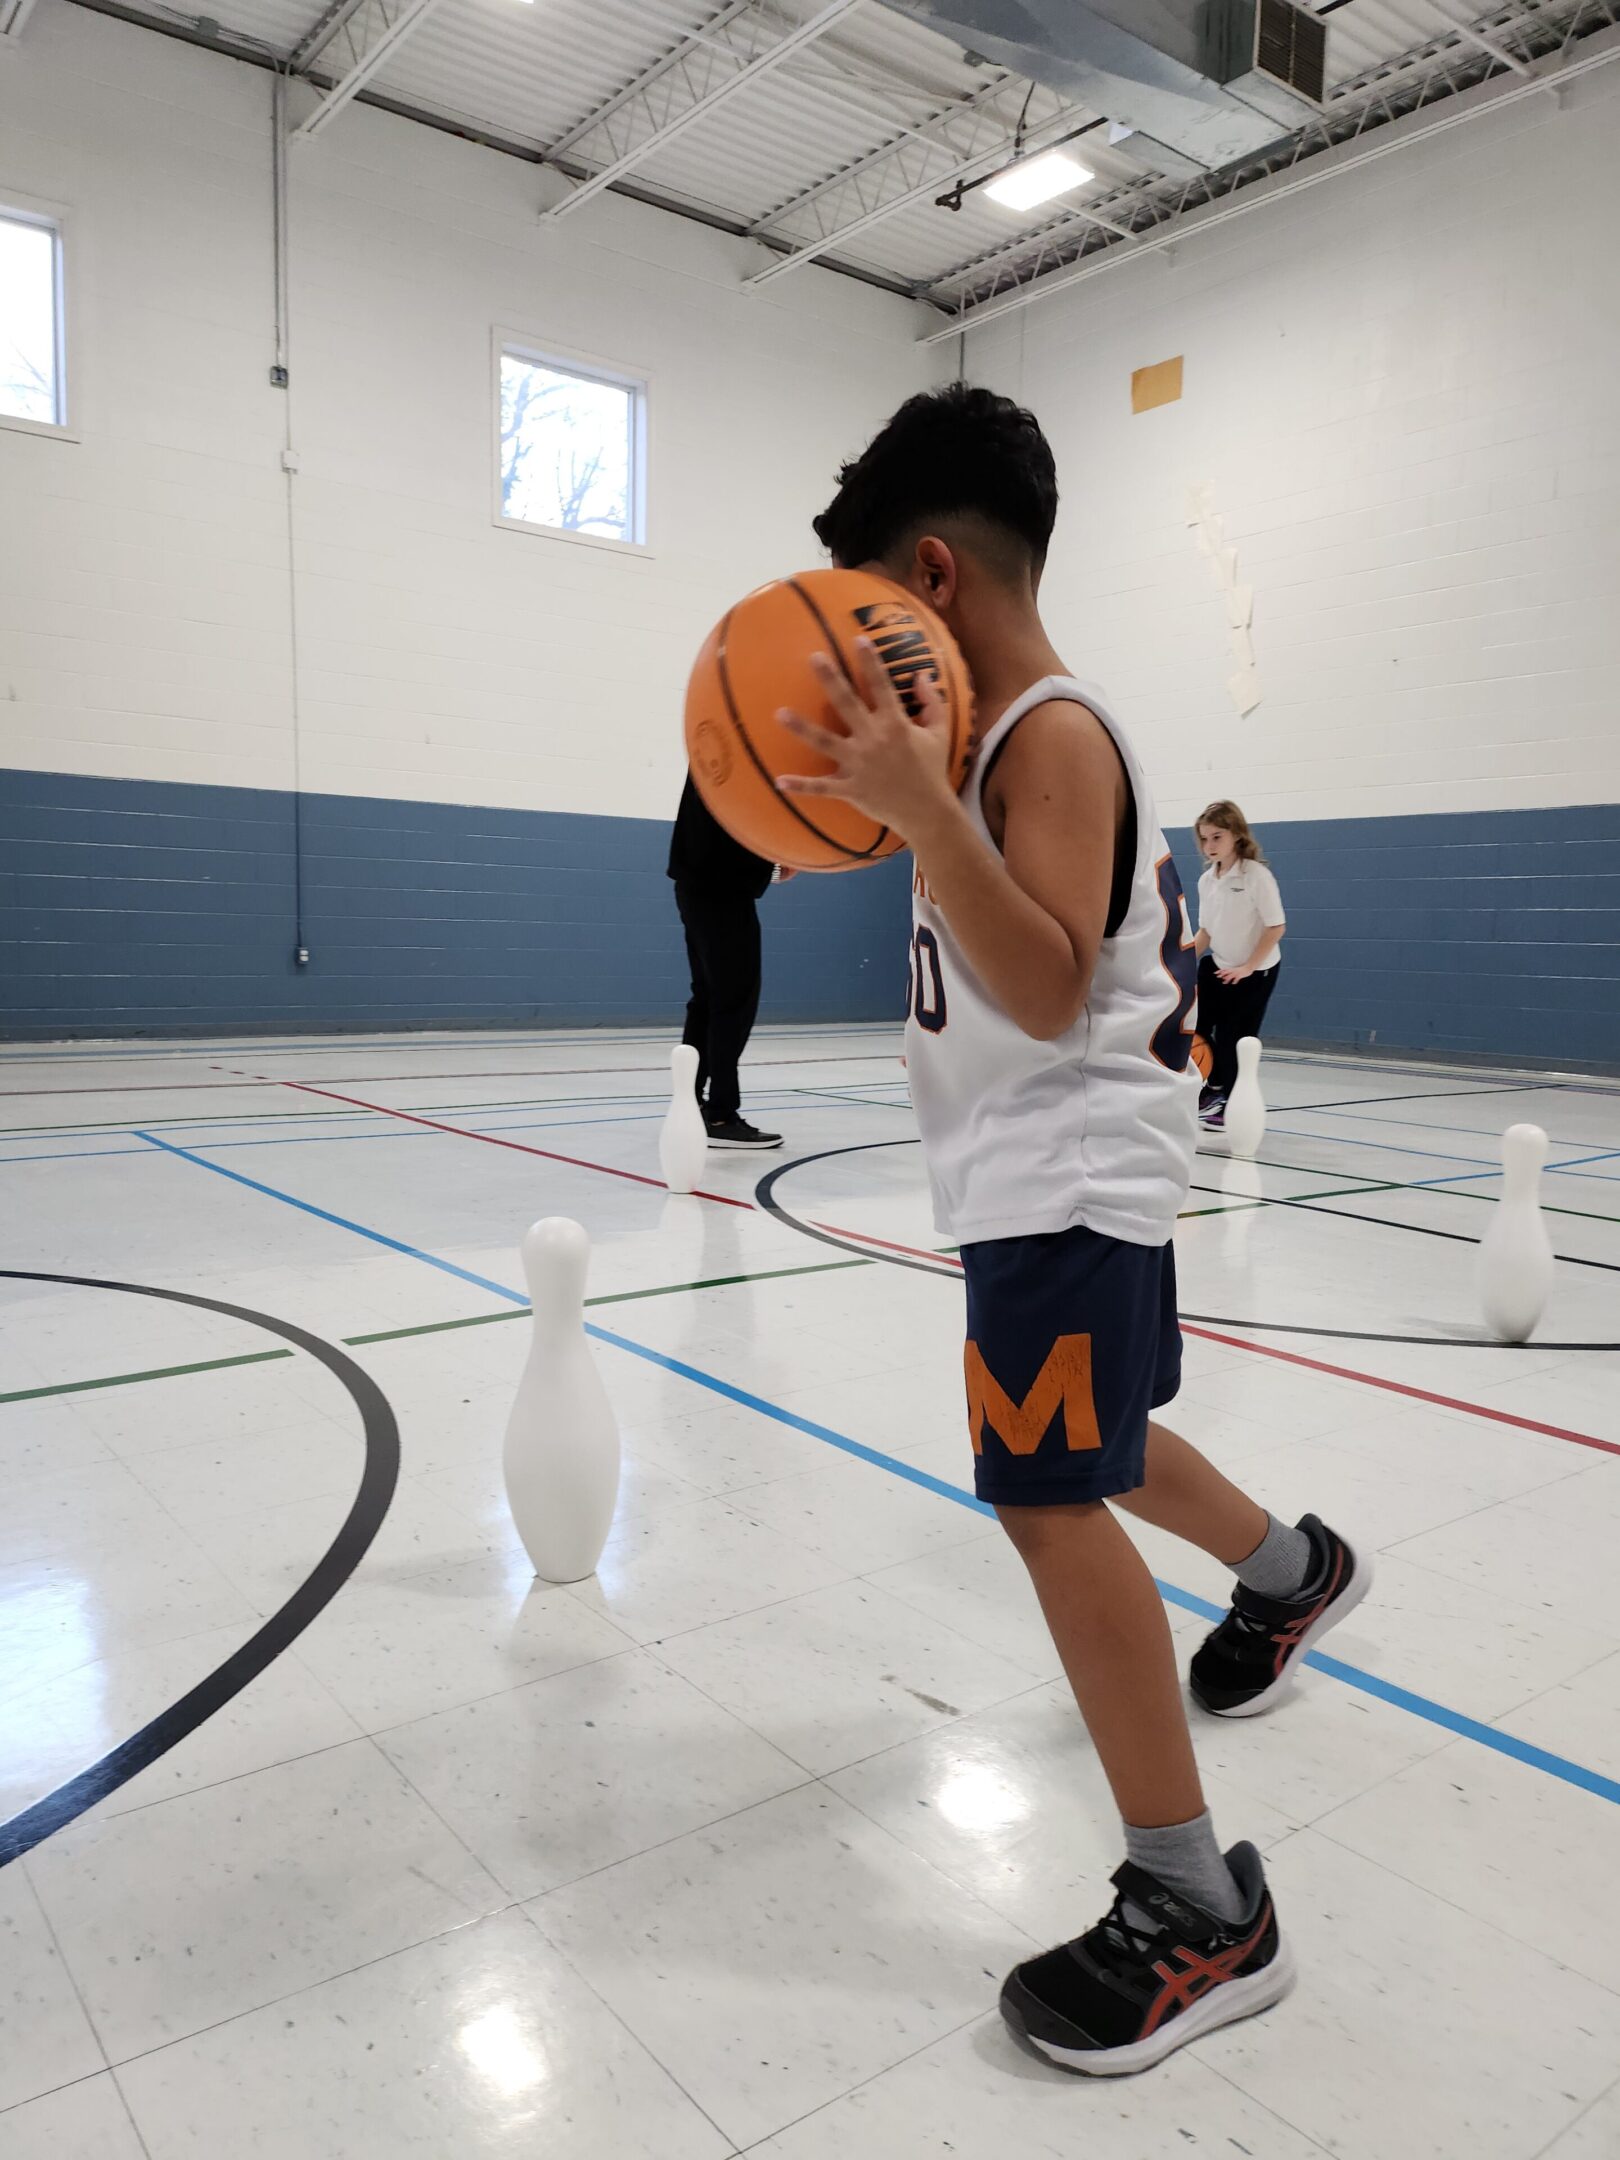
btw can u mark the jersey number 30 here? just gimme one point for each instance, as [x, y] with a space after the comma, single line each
[927, 983]
[1172, 1038]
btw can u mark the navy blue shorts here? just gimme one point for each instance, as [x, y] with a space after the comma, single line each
[1072, 1338]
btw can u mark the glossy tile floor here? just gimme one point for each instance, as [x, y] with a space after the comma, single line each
[725, 1851]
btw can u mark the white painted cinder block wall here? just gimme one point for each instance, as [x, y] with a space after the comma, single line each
[1400, 386]
[144, 588]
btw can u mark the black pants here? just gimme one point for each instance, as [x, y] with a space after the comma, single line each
[722, 945]
[1229, 1011]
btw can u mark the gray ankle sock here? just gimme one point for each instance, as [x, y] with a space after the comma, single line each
[1186, 1859]
[1280, 1565]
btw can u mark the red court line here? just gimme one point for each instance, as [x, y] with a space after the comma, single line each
[519, 1147]
[1402, 1387]
[1293, 1357]
[866, 1238]
[1231, 1342]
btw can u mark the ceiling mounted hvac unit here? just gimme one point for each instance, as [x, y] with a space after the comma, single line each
[1270, 54]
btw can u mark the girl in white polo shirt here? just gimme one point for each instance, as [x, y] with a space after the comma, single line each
[1240, 927]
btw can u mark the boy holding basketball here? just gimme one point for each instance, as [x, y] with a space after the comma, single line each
[1053, 980]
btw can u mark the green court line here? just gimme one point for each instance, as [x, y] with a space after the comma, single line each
[608, 1297]
[1345, 1192]
[158, 1372]
[427, 1327]
[1230, 1207]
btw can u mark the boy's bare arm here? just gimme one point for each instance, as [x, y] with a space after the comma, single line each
[1030, 919]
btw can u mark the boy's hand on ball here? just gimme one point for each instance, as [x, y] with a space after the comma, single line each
[894, 768]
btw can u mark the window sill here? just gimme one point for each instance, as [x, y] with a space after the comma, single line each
[577, 539]
[17, 425]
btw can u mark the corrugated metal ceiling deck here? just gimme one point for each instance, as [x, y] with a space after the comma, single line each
[525, 73]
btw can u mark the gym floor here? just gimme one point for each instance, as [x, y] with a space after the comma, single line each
[391, 1852]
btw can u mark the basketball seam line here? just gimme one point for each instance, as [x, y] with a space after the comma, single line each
[866, 854]
[723, 668]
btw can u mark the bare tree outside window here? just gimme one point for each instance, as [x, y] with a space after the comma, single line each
[569, 448]
[29, 385]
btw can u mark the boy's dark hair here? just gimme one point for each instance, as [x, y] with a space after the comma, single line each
[952, 455]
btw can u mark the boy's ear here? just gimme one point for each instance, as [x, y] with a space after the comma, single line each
[934, 572]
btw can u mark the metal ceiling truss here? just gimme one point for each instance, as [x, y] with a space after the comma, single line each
[910, 168]
[744, 41]
[359, 36]
[1539, 43]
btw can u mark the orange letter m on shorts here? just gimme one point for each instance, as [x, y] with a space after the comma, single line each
[1064, 1381]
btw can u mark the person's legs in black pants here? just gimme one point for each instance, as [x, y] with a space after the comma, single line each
[722, 939]
[696, 1031]
[1226, 1013]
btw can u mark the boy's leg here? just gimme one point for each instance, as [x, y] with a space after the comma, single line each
[1294, 1581]
[1184, 1493]
[1109, 1626]
[1071, 1338]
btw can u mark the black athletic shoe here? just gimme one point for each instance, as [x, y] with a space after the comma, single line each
[736, 1132]
[1243, 1666]
[1212, 1115]
[1153, 1974]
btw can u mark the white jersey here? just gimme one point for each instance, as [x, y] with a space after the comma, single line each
[1096, 1128]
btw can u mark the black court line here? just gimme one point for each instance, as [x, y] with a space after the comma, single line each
[1356, 1102]
[365, 1518]
[765, 1198]
[1388, 1222]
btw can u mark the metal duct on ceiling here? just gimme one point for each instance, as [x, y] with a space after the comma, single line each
[1145, 63]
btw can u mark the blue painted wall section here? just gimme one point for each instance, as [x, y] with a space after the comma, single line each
[1491, 933]
[131, 906]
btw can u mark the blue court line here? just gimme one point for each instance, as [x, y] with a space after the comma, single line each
[342, 1222]
[1388, 1691]
[1473, 1177]
[1391, 1147]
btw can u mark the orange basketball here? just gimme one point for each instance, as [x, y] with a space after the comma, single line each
[757, 658]
[1203, 1056]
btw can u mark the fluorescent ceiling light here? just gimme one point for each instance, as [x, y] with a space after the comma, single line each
[1037, 180]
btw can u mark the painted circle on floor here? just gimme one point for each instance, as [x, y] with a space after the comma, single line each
[365, 1518]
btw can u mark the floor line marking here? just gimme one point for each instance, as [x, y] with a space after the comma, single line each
[940, 1262]
[157, 1372]
[1420, 1706]
[781, 1097]
[562, 1072]
[1472, 1132]
[341, 1222]
[425, 1327]
[1394, 1147]
[1287, 1357]
[429, 1039]
[522, 1147]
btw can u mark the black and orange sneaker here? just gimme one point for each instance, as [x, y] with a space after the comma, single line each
[1154, 1973]
[1244, 1666]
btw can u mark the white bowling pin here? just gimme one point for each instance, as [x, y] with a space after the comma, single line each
[562, 1443]
[683, 1144]
[1246, 1106]
[1515, 1255]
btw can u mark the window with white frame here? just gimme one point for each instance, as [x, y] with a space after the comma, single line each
[573, 447]
[31, 387]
